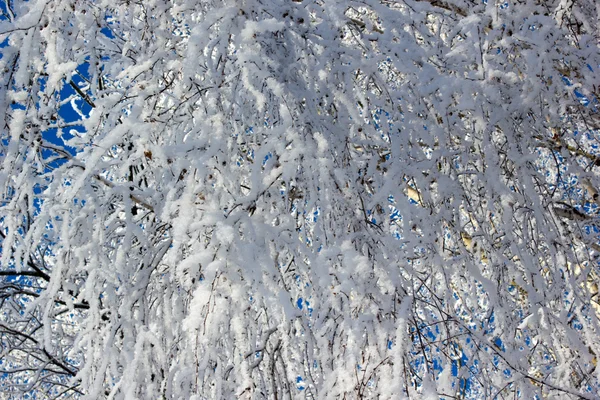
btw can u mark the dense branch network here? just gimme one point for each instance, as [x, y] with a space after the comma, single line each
[299, 199]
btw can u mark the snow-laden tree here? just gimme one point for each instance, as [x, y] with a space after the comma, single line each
[299, 199]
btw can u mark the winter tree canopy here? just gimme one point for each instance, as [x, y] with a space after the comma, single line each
[289, 199]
